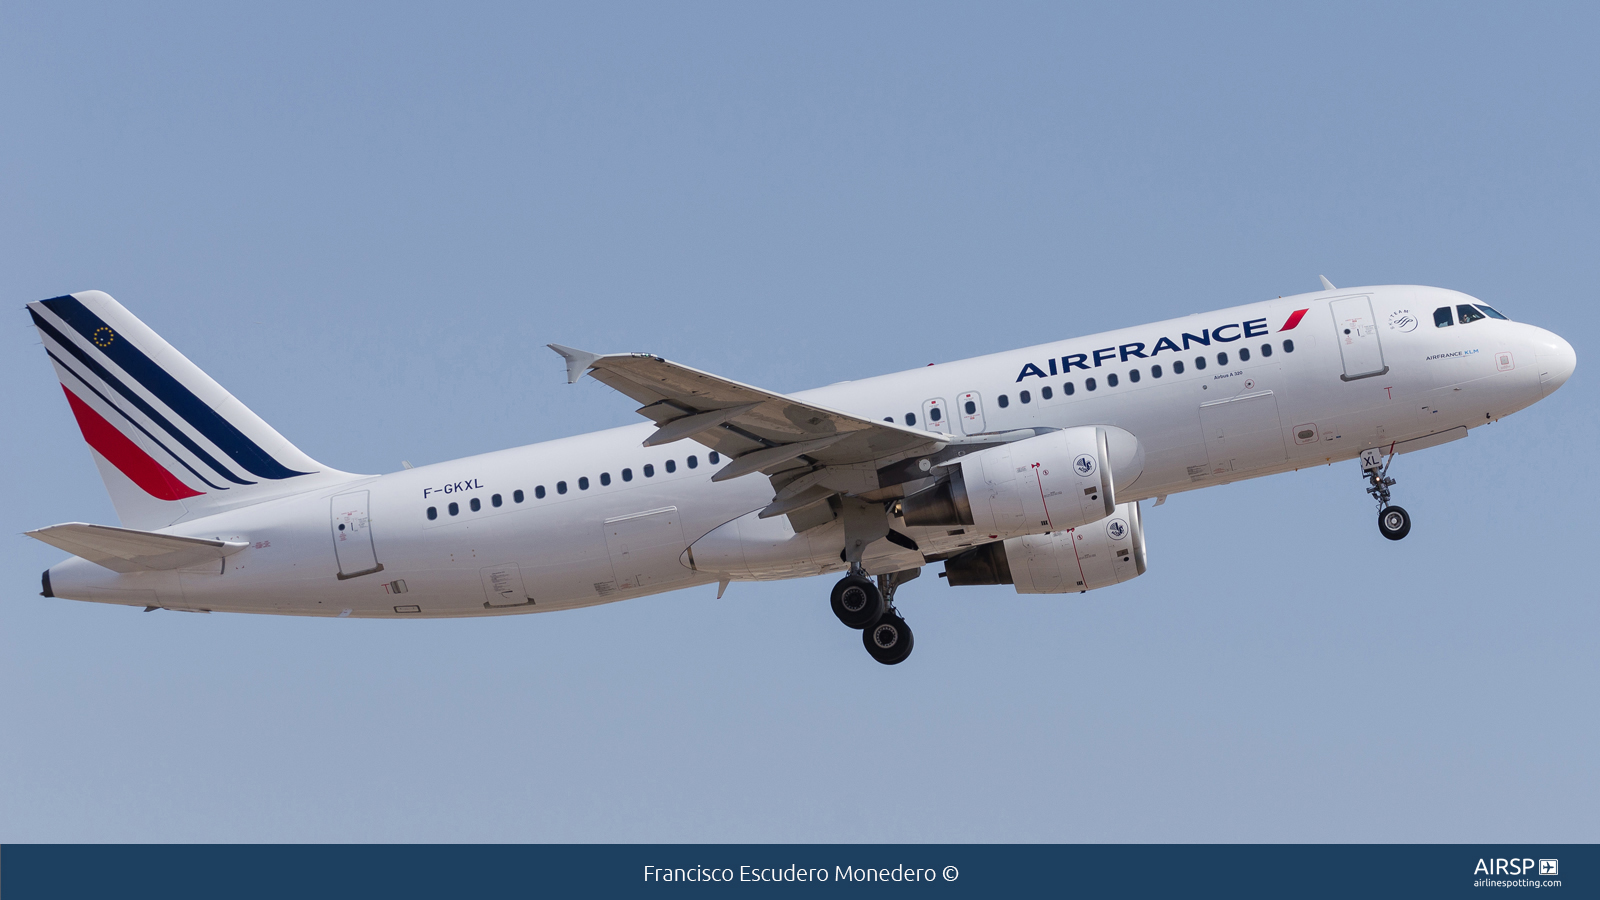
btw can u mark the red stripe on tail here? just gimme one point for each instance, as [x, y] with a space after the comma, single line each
[125, 454]
[1294, 319]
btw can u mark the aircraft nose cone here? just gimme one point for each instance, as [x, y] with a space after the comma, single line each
[1557, 360]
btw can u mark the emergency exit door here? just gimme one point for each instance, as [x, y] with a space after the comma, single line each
[352, 536]
[970, 407]
[1357, 333]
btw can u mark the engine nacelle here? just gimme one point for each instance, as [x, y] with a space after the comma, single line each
[1079, 559]
[1047, 483]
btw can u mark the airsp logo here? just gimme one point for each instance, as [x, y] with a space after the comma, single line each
[1117, 529]
[1083, 465]
[1402, 320]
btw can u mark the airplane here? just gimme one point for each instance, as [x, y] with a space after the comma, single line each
[1026, 467]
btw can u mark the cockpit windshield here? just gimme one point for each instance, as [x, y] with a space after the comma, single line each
[1491, 311]
[1466, 312]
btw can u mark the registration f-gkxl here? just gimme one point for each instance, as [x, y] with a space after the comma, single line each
[1024, 468]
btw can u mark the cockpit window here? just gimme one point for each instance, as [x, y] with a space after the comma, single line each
[1441, 317]
[1491, 312]
[1466, 312]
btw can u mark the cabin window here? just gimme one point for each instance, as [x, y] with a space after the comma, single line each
[934, 414]
[1177, 367]
[1088, 384]
[605, 479]
[889, 419]
[1111, 380]
[671, 466]
[583, 482]
[561, 487]
[1491, 311]
[972, 408]
[453, 508]
[911, 418]
[1244, 354]
[1045, 393]
[1466, 312]
[1222, 359]
[649, 471]
[627, 474]
[1441, 317]
[433, 513]
[1199, 362]
[714, 457]
[1288, 346]
[1155, 371]
[1004, 402]
[1068, 389]
[475, 504]
[1025, 397]
[693, 461]
[516, 495]
[1133, 376]
[1266, 350]
[495, 501]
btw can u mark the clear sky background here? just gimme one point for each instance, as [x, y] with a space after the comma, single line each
[367, 222]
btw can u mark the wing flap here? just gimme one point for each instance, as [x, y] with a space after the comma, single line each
[127, 550]
[689, 403]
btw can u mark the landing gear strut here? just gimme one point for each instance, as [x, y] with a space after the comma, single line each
[1394, 522]
[869, 607]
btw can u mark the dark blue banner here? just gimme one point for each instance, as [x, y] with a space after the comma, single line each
[715, 870]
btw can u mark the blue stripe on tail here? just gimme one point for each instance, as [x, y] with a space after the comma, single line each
[138, 402]
[132, 421]
[169, 390]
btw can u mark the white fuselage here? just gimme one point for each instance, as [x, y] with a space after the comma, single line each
[616, 539]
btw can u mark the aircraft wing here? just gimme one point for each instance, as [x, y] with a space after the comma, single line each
[127, 550]
[760, 430]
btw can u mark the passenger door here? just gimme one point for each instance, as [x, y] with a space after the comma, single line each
[352, 536]
[1357, 333]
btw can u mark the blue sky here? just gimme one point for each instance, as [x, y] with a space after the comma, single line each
[367, 222]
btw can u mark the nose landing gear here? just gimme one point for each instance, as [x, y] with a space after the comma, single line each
[869, 608]
[1394, 522]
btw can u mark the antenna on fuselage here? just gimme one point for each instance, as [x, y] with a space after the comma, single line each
[1326, 284]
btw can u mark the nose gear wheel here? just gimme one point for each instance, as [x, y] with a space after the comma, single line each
[1394, 522]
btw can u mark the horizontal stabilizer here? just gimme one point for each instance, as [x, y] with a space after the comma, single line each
[127, 550]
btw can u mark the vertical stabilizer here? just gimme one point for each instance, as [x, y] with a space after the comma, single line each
[170, 443]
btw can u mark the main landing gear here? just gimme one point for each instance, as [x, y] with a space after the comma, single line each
[1394, 522]
[869, 607]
